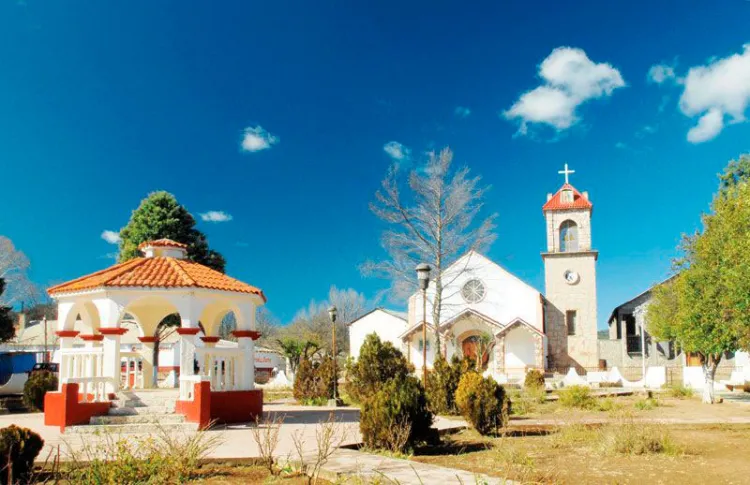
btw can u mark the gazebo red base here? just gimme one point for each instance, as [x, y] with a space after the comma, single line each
[221, 407]
[63, 408]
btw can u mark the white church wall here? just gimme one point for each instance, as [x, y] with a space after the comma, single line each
[519, 350]
[506, 297]
[387, 326]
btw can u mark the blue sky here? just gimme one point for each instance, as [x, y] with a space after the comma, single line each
[102, 103]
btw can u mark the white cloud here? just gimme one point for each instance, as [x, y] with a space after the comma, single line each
[709, 125]
[216, 216]
[255, 139]
[462, 111]
[570, 79]
[715, 90]
[111, 237]
[396, 150]
[660, 73]
[620, 145]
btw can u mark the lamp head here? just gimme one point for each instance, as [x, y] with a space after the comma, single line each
[332, 312]
[423, 275]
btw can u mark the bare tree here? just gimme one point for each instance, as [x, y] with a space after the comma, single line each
[314, 323]
[434, 224]
[13, 269]
[265, 323]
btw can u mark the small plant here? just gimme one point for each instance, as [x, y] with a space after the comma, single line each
[632, 438]
[329, 436]
[483, 402]
[266, 436]
[577, 397]
[400, 405]
[607, 385]
[534, 379]
[646, 404]
[36, 387]
[608, 405]
[161, 457]
[18, 449]
[680, 391]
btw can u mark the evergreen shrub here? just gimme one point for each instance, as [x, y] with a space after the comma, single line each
[483, 402]
[377, 362]
[38, 384]
[313, 383]
[534, 378]
[18, 449]
[396, 417]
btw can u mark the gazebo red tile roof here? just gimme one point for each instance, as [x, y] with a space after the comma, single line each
[556, 203]
[163, 243]
[157, 272]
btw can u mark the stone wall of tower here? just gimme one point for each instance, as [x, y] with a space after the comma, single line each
[579, 350]
[554, 219]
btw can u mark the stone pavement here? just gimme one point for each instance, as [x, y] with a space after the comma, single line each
[354, 466]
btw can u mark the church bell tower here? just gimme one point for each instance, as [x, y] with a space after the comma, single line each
[570, 279]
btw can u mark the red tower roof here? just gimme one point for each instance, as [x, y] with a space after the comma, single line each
[556, 203]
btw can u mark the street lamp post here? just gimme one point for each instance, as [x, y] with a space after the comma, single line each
[332, 312]
[423, 275]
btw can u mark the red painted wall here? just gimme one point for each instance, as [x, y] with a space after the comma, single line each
[222, 407]
[63, 409]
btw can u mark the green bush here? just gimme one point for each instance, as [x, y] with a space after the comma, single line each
[396, 417]
[377, 363]
[483, 402]
[534, 378]
[18, 448]
[314, 380]
[442, 383]
[36, 387]
[577, 397]
[681, 392]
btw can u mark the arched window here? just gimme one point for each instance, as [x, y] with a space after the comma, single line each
[568, 236]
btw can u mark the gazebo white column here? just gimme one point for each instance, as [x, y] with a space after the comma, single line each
[147, 358]
[187, 350]
[111, 359]
[246, 342]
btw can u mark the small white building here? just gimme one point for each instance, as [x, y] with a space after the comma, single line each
[388, 324]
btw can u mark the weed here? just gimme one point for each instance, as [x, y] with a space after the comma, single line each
[577, 397]
[679, 391]
[646, 404]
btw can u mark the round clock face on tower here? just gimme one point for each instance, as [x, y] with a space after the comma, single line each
[571, 277]
[473, 291]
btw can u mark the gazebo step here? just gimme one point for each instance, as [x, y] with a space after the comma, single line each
[136, 410]
[156, 402]
[138, 419]
[129, 428]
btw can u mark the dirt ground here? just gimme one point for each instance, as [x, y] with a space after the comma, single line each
[532, 451]
[218, 474]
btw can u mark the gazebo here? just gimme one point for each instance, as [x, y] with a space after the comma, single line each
[214, 384]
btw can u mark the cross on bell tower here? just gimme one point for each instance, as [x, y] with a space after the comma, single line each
[566, 172]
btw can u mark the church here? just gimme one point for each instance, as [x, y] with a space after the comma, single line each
[488, 313]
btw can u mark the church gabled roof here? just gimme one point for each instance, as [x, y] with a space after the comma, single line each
[556, 202]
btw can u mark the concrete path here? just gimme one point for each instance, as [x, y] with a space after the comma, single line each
[349, 466]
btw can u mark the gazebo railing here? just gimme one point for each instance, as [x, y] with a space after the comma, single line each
[92, 389]
[78, 363]
[222, 367]
[131, 370]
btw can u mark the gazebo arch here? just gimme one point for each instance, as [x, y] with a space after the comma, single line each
[161, 283]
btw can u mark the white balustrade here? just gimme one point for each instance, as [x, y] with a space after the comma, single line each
[131, 365]
[83, 366]
[187, 387]
[222, 367]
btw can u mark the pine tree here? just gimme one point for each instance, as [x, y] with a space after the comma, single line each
[160, 216]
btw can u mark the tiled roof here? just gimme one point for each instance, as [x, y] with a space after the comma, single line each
[157, 272]
[162, 243]
[579, 201]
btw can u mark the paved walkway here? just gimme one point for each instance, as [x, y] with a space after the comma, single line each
[349, 465]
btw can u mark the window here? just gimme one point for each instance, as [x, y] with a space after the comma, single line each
[566, 197]
[570, 321]
[568, 236]
[420, 345]
[473, 291]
